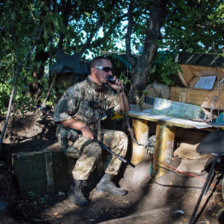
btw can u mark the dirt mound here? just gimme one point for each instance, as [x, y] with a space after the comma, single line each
[28, 127]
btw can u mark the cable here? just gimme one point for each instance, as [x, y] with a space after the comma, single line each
[184, 173]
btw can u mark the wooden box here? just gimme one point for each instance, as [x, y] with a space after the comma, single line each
[41, 172]
[189, 75]
[188, 95]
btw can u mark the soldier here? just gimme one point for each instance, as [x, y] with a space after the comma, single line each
[79, 113]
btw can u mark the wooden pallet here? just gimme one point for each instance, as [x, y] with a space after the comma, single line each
[41, 172]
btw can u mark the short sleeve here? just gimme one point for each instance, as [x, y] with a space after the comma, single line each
[67, 106]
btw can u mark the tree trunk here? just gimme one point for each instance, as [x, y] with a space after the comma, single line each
[144, 64]
[67, 7]
[41, 56]
[131, 59]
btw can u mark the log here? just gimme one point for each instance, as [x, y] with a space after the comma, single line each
[164, 145]
[141, 131]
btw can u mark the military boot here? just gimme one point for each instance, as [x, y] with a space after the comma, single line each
[75, 194]
[106, 185]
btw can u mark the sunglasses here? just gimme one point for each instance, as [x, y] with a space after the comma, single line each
[106, 69]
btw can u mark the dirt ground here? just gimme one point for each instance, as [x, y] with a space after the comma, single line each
[169, 199]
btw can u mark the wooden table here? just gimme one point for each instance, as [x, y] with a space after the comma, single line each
[165, 135]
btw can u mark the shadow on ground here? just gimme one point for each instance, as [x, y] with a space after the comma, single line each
[169, 199]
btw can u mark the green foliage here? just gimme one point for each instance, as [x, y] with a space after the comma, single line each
[164, 71]
[89, 27]
[4, 97]
[194, 26]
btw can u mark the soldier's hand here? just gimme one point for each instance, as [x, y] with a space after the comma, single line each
[118, 86]
[86, 132]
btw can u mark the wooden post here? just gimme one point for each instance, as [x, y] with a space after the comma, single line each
[165, 136]
[141, 131]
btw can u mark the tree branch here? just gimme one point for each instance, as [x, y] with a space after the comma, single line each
[66, 12]
[129, 32]
[90, 38]
[19, 68]
[142, 69]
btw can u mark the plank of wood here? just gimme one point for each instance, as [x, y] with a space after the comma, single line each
[188, 95]
[41, 172]
[190, 72]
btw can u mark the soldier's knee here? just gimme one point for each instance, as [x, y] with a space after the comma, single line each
[124, 137]
[93, 149]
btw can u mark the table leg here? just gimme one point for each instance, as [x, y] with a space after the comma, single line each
[165, 136]
[141, 131]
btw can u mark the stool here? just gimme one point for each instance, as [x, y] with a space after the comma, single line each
[212, 144]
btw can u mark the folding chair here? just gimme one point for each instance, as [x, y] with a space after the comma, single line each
[212, 144]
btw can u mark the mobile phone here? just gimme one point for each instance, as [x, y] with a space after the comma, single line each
[111, 79]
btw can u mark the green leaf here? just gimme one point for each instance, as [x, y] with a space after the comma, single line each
[45, 34]
[87, 14]
[190, 50]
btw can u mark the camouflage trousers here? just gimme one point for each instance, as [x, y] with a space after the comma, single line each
[90, 153]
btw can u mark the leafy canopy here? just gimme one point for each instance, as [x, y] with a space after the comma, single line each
[31, 30]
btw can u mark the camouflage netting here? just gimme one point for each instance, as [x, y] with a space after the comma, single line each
[69, 64]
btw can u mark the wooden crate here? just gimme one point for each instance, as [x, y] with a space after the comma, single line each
[189, 75]
[188, 95]
[41, 172]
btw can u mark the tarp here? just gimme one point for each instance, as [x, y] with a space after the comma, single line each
[69, 64]
[201, 59]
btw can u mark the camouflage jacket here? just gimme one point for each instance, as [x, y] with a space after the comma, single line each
[76, 102]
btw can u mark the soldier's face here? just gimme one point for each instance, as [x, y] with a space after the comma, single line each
[102, 71]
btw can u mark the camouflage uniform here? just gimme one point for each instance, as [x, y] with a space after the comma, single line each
[76, 103]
